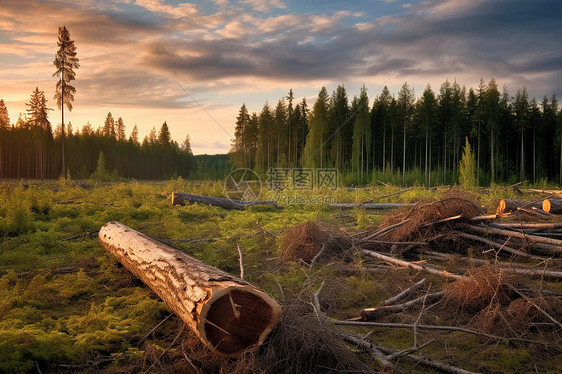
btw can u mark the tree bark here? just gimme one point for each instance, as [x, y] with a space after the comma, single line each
[508, 206]
[228, 314]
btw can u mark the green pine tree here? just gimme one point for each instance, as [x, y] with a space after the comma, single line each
[467, 167]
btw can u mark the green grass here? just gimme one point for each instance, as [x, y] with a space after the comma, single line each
[64, 299]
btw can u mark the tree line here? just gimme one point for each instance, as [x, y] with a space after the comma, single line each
[415, 140]
[29, 148]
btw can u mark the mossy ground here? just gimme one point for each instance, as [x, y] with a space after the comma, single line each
[67, 305]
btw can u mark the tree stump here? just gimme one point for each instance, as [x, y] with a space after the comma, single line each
[228, 314]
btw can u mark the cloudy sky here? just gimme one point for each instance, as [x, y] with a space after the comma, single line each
[194, 64]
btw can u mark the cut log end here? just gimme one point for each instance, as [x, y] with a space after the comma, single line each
[237, 319]
[228, 314]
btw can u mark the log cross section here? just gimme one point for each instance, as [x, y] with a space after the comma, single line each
[228, 314]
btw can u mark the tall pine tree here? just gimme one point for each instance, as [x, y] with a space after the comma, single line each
[65, 63]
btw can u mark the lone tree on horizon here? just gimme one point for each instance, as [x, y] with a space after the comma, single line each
[65, 61]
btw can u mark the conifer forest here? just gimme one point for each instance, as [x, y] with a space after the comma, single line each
[394, 136]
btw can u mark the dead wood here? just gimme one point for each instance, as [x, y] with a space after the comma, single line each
[505, 266]
[429, 327]
[386, 229]
[441, 366]
[531, 239]
[379, 356]
[404, 294]
[402, 263]
[552, 205]
[228, 314]
[181, 198]
[531, 225]
[370, 314]
[549, 192]
[390, 194]
[373, 206]
[498, 246]
[428, 362]
[423, 220]
[507, 206]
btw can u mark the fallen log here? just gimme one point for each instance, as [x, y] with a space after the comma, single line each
[553, 206]
[228, 314]
[535, 226]
[550, 192]
[374, 206]
[507, 206]
[181, 198]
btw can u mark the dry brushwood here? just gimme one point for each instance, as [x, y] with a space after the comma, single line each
[422, 219]
[303, 241]
[310, 242]
[479, 287]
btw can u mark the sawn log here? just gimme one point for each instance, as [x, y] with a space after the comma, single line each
[181, 198]
[228, 314]
[507, 206]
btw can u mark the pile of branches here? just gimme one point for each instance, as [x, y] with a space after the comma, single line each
[490, 298]
[454, 226]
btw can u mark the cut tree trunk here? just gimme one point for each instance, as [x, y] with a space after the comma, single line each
[181, 198]
[553, 206]
[228, 314]
[507, 206]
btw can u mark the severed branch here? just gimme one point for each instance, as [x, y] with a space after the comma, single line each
[375, 206]
[386, 229]
[428, 362]
[398, 262]
[431, 327]
[181, 198]
[240, 261]
[499, 247]
[404, 294]
[379, 356]
[155, 328]
[370, 314]
[409, 350]
[506, 267]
